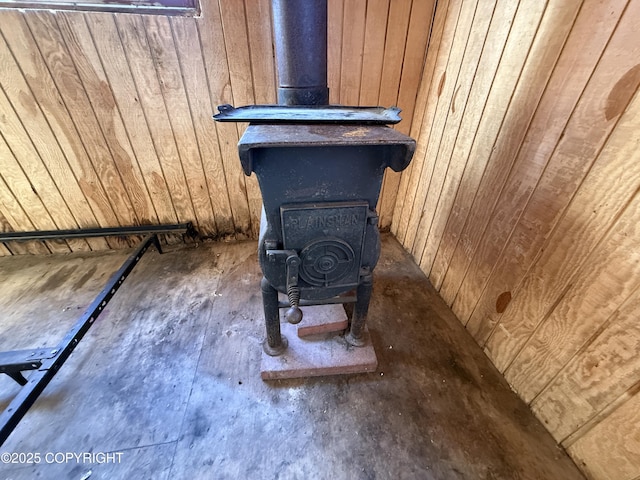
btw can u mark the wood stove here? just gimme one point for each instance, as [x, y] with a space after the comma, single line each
[320, 171]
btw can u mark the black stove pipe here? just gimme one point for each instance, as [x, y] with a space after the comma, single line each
[300, 34]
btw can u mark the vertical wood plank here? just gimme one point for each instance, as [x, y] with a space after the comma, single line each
[13, 215]
[612, 448]
[47, 129]
[447, 86]
[473, 109]
[414, 58]
[408, 178]
[138, 56]
[102, 32]
[590, 213]
[525, 25]
[375, 33]
[596, 376]
[603, 277]
[167, 67]
[79, 43]
[186, 37]
[394, 52]
[262, 53]
[448, 170]
[51, 44]
[214, 54]
[437, 58]
[352, 52]
[236, 39]
[413, 69]
[587, 40]
[486, 238]
[335, 10]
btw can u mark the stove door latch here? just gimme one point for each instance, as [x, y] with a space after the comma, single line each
[293, 314]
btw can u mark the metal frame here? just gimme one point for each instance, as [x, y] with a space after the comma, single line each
[47, 361]
[98, 232]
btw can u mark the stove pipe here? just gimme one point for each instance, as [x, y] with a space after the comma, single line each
[300, 34]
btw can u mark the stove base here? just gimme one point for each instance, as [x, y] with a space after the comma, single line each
[322, 319]
[318, 355]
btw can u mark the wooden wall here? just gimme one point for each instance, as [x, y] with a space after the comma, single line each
[105, 119]
[522, 206]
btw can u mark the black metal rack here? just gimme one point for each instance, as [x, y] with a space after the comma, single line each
[47, 361]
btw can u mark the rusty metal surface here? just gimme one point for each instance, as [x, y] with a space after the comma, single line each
[273, 114]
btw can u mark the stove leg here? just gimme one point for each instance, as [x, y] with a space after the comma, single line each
[276, 343]
[356, 334]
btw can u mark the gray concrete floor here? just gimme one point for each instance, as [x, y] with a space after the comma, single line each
[169, 379]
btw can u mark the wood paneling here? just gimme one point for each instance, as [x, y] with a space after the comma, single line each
[523, 201]
[106, 118]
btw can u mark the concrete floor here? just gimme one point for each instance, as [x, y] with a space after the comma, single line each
[169, 379]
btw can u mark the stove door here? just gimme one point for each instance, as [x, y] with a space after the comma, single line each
[329, 238]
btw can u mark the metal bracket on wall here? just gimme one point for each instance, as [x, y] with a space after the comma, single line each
[47, 361]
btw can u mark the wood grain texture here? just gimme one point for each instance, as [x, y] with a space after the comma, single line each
[132, 35]
[213, 51]
[375, 33]
[419, 30]
[106, 179]
[591, 212]
[117, 108]
[99, 32]
[590, 33]
[527, 196]
[467, 37]
[444, 29]
[395, 48]
[79, 44]
[13, 185]
[473, 72]
[484, 236]
[12, 213]
[236, 38]
[5, 227]
[460, 191]
[170, 79]
[194, 75]
[258, 14]
[603, 277]
[354, 15]
[596, 377]
[612, 448]
[335, 15]
[525, 26]
[461, 15]
[28, 132]
[401, 208]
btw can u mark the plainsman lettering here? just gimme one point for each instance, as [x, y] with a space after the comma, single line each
[324, 221]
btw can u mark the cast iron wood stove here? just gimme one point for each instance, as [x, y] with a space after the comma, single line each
[320, 171]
